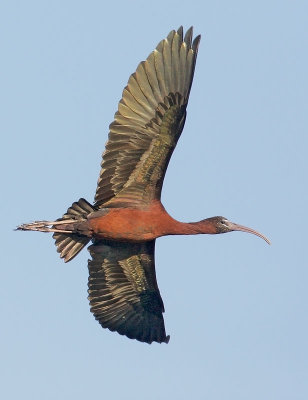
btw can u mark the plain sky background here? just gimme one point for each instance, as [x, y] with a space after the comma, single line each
[236, 308]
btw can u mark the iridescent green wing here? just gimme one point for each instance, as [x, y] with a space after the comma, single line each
[148, 123]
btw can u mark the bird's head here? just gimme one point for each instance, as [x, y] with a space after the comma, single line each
[223, 225]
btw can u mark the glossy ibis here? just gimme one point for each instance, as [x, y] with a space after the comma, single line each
[127, 215]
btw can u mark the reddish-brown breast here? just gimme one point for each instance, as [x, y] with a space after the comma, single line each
[132, 224]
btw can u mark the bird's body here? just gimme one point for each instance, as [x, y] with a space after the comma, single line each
[127, 215]
[133, 224]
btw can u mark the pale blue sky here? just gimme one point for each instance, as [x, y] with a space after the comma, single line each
[236, 308]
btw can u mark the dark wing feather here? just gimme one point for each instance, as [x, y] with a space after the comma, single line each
[123, 291]
[148, 123]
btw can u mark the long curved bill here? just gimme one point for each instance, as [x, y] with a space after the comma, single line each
[237, 227]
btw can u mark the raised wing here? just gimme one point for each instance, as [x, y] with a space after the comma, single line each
[148, 124]
[123, 291]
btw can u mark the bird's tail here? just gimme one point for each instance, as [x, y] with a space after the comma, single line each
[69, 233]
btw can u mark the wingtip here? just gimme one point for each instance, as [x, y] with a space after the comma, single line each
[180, 32]
[188, 36]
[159, 341]
[167, 339]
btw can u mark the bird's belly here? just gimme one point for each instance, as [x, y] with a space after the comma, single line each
[125, 225]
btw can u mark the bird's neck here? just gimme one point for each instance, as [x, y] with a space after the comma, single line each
[164, 224]
[191, 228]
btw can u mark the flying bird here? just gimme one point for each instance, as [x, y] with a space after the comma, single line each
[127, 215]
